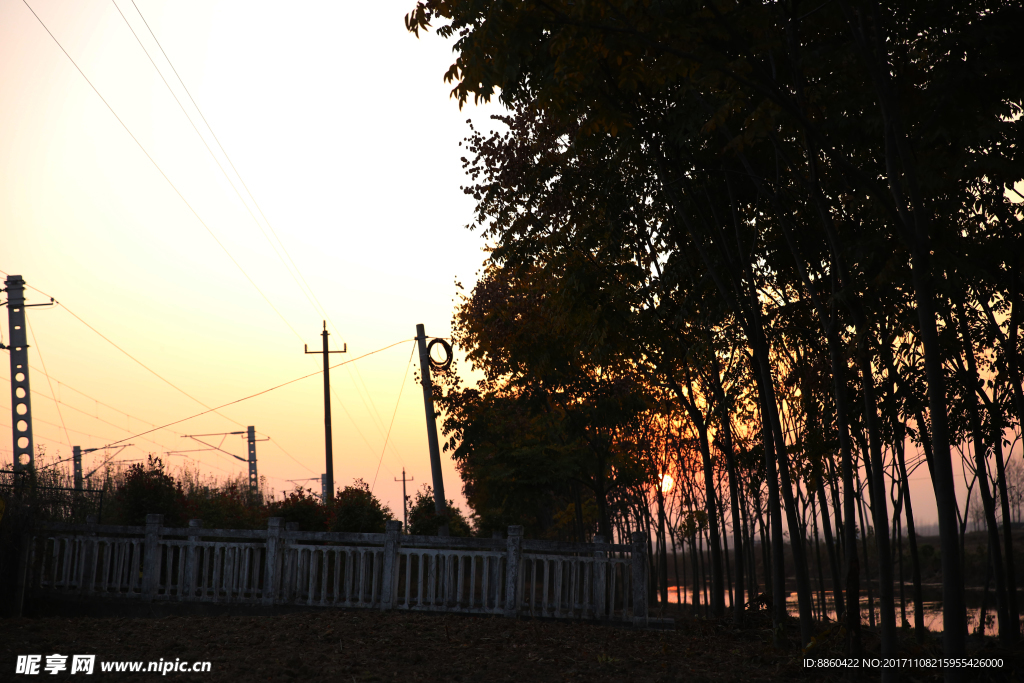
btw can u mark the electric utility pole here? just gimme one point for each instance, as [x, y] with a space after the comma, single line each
[329, 492]
[405, 502]
[250, 435]
[21, 405]
[254, 480]
[435, 452]
[76, 456]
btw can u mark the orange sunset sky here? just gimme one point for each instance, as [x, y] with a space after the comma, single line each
[340, 124]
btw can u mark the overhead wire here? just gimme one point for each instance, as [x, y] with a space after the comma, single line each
[94, 417]
[133, 358]
[307, 290]
[161, 171]
[360, 431]
[45, 438]
[54, 424]
[168, 382]
[233, 168]
[39, 351]
[200, 135]
[260, 393]
[317, 306]
[397, 402]
[306, 467]
[95, 400]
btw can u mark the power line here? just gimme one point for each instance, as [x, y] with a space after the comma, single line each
[89, 415]
[54, 424]
[133, 358]
[354, 423]
[160, 170]
[259, 393]
[45, 438]
[240, 178]
[39, 351]
[96, 400]
[96, 417]
[317, 306]
[397, 401]
[290, 455]
[200, 135]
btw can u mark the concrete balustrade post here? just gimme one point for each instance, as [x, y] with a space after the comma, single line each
[389, 580]
[514, 546]
[290, 565]
[151, 558]
[600, 577]
[188, 581]
[639, 578]
[89, 554]
[271, 576]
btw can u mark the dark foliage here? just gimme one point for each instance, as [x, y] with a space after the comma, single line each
[148, 489]
[423, 518]
[357, 510]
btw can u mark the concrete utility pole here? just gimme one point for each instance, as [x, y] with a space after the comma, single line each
[435, 452]
[21, 405]
[76, 461]
[329, 496]
[405, 502]
[250, 435]
[76, 457]
[254, 480]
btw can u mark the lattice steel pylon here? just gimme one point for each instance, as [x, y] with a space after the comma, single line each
[21, 404]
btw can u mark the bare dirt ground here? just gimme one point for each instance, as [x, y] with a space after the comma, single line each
[364, 645]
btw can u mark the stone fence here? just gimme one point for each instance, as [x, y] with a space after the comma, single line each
[284, 566]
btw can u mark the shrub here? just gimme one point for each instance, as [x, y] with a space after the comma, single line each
[423, 519]
[302, 506]
[228, 507]
[356, 509]
[147, 490]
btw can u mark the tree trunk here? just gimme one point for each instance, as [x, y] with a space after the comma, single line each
[867, 562]
[833, 561]
[725, 551]
[730, 466]
[694, 566]
[897, 523]
[817, 552]
[876, 473]
[954, 607]
[853, 643]
[972, 379]
[717, 602]
[663, 557]
[801, 565]
[767, 556]
[1013, 610]
[775, 518]
[748, 539]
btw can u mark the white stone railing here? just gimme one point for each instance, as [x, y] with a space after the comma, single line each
[284, 566]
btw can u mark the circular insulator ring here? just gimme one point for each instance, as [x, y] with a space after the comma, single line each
[440, 364]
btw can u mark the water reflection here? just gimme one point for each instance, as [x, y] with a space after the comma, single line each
[932, 608]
